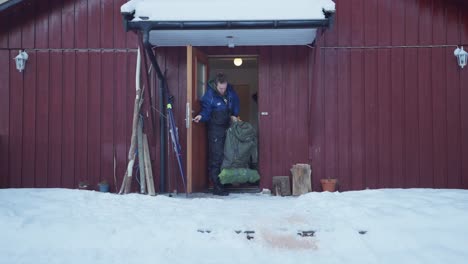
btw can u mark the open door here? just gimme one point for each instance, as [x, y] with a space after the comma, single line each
[197, 77]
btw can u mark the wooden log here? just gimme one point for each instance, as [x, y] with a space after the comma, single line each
[148, 168]
[141, 157]
[281, 186]
[301, 179]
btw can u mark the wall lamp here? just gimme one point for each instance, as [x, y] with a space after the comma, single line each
[462, 56]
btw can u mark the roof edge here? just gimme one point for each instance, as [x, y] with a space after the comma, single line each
[9, 4]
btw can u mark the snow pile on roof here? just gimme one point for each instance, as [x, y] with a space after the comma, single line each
[373, 226]
[238, 10]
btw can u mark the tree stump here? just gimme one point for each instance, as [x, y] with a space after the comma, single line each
[281, 186]
[301, 179]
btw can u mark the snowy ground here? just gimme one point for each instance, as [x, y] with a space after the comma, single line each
[72, 226]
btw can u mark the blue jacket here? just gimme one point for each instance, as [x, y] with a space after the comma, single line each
[213, 101]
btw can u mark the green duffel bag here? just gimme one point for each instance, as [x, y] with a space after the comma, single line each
[239, 175]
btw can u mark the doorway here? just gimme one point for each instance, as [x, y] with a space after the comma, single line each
[242, 73]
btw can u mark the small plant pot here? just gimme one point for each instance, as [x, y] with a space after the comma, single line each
[103, 187]
[328, 185]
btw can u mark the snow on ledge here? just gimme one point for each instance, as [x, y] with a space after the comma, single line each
[216, 10]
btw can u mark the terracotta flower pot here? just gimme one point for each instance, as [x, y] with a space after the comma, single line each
[328, 185]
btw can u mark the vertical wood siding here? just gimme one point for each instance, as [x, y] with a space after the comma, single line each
[380, 102]
[63, 120]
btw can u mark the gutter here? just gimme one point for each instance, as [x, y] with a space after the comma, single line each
[143, 25]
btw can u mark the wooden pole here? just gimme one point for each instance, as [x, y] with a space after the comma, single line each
[141, 157]
[148, 168]
[127, 181]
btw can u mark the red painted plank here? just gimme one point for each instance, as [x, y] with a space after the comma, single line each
[464, 125]
[42, 25]
[16, 125]
[411, 23]
[316, 119]
[42, 119]
[384, 14]
[439, 23]
[453, 121]
[452, 25]
[384, 94]
[357, 23]
[5, 60]
[81, 116]
[426, 173]
[107, 118]
[371, 22]
[397, 117]
[120, 122]
[28, 27]
[425, 22]
[344, 119]
[264, 122]
[344, 22]
[358, 172]
[464, 27]
[331, 113]
[81, 24]
[29, 122]
[289, 114]
[4, 30]
[68, 130]
[68, 25]
[276, 82]
[94, 24]
[119, 34]
[55, 122]
[55, 24]
[371, 119]
[411, 107]
[107, 23]
[301, 154]
[439, 106]
[94, 118]
[398, 22]
[14, 38]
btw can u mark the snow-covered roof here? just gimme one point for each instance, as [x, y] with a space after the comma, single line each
[176, 19]
[232, 10]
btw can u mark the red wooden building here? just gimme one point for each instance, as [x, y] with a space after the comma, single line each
[378, 101]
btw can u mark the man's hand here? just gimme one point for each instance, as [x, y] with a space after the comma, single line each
[197, 118]
[235, 119]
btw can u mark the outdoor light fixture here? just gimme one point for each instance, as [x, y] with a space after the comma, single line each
[462, 56]
[230, 43]
[20, 60]
[238, 62]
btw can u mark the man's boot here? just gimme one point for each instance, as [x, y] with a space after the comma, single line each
[218, 188]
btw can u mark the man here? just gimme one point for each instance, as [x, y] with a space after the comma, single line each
[220, 105]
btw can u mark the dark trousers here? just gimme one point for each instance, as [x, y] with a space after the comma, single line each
[216, 139]
[217, 127]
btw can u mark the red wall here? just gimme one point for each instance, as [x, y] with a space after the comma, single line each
[381, 103]
[391, 106]
[62, 120]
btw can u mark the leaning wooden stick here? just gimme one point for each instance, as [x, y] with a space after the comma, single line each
[127, 180]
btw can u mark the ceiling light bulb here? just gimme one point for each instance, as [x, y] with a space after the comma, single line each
[238, 62]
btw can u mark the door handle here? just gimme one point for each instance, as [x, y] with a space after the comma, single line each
[188, 115]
